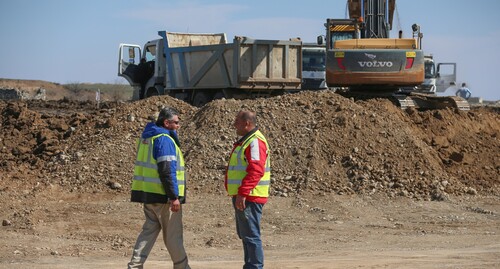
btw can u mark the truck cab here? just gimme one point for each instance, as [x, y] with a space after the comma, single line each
[313, 67]
[142, 68]
[198, 68]
[438, 78]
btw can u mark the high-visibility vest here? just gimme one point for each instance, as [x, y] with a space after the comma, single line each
[236, 169]
[146, 177]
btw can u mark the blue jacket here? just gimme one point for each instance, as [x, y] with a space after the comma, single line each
[164, 150]
[464, 92]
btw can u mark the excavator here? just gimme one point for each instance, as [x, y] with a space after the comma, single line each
[362, 61]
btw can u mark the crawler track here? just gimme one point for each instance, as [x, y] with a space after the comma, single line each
[414, 100]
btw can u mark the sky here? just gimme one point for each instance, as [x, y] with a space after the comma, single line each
[68, 41]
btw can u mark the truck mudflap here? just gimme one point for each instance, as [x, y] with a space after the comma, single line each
[430, 101]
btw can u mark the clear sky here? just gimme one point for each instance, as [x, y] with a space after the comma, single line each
[77, 41]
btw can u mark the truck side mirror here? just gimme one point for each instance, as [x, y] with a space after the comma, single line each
[319, 40]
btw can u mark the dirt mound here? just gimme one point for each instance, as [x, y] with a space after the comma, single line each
[321, 143]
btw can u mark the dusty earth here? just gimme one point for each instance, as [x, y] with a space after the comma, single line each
[354, 184]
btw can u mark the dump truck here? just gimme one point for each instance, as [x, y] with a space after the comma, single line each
[198, 68]
[365, 62]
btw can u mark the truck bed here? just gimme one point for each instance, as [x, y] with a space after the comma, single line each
[246, 63]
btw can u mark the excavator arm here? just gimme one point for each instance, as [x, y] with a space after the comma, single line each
[377, 16]
[354, 7]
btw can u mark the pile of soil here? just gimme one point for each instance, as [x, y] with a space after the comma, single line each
[320, 143]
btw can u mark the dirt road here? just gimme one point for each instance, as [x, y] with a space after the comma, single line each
[99, 230]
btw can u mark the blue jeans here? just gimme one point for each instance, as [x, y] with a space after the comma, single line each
[248, 229]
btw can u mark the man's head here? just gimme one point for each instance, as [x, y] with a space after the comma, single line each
[463, 84]
[245, 122]
[168, 118]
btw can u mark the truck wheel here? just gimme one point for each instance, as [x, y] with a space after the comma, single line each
[141, 93]
[151, 92]
[277, 92]
[201, 98]
[219, 95]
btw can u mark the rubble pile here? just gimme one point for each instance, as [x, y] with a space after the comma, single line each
[16, 94]
[320, 143]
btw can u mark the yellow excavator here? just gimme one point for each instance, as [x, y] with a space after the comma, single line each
[362, 61]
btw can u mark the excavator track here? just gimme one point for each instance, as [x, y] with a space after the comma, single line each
[403, 101]
[431, 101]
[414, 100]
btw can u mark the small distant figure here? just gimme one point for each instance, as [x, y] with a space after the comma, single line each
[98, 98]
[464, 92]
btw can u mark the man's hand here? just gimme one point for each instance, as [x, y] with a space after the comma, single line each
[175, 205]
[240, 202]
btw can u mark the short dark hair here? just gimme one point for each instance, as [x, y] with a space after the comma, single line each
[463, 84]
[166, 113]
[249, 116]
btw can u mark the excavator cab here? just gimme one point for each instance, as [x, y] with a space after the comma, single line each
[341, 29]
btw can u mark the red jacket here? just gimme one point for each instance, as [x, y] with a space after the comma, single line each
[256, 156]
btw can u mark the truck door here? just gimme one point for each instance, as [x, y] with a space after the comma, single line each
[446, 76]
[129, 59]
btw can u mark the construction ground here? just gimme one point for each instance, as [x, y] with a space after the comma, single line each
[354, 184]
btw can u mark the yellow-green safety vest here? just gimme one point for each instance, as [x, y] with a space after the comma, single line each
[236, 170]
[146, 177]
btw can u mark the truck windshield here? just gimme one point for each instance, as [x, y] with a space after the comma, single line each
[313, 60]
[150, 53]
[430, 70]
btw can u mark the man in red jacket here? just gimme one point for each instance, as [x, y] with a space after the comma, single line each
[248, 178]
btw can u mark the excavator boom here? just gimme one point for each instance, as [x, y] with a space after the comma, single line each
[369, 11]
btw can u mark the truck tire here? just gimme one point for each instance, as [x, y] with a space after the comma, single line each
[219, 95]
[141, 92]
[151, 92]
[201, 98]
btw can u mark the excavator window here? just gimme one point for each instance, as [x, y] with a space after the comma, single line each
[336, 36]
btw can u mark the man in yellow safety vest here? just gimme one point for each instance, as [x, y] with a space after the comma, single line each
[159, 183]
[248, 178]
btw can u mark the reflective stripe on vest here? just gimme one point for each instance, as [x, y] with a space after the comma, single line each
[236, 170]
[146, 177]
